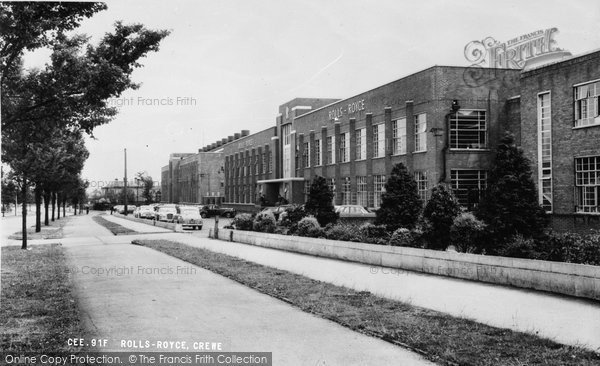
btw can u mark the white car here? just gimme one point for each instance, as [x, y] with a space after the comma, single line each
[188, 216]
[165, 213]
[353, 211]
[145, 212]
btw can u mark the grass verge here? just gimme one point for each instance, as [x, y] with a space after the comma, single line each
[437, 336]
[38, 311]
[114, 228]
[53, 231]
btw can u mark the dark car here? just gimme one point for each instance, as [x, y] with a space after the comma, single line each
[214, 210]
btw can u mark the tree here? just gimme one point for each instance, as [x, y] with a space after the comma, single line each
[400, 203]
[71, 92]
[438, 216]
[148, 184]
[510, 203]
[37, 24]
[320, 202]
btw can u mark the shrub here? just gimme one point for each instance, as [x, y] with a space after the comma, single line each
[403, 238]
[510, 204]
[243, 221]
[291, 217]
[569, 247]
[309, 226]
[519, 247]
[264, 222]
[343, 231]
[400, 203]
[376, 234]
[439, 214]
[319, 203]
[466, 233]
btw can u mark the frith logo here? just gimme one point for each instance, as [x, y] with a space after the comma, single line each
[517, 53]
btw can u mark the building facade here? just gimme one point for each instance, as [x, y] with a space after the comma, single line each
[560, 134]
[443, 123]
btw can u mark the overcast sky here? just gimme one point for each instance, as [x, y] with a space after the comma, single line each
[241, 59]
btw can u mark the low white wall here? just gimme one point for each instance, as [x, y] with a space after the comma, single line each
[564, 278]
[166, 225]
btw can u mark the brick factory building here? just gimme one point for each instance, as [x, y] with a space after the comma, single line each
[442, 123]
[560, 134]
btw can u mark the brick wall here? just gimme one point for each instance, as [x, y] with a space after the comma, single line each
[567, 142]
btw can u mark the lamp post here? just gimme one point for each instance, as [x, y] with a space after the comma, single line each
[125, 183]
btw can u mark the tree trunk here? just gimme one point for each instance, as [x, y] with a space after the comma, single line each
[64, 202]
[57, 200]
[24, 219]
[46, 207]
[75, 209]
[53, 199]
[38, 210]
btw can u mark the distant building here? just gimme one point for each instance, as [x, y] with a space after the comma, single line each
[113, 191]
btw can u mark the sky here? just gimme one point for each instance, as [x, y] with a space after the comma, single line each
[227, 65]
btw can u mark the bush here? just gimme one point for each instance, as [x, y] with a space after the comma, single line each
[400, 203]
[518, 247]
[320, 202]
[309, 226]
[439, 214]
[375, 234]
[510, 205]
[264, 222]
[291, 217]
[344, 232]
[243, 221]
[466, 233]
[403, 238]
[570, 247]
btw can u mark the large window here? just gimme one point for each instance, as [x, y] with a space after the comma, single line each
[587, 104]
[286, 134]
[361, 144]
[330, 150]
[468, 130]
[545, 151]
[422, 186]
[378, 141]
[378, 187]
[306, 155]
[362, 196]
[318, 153]
[468, 186]
[346, 192]
[345, 147]
[587, 184]
[331, 185]
[420, 132]
[306, 189]
[399, 136]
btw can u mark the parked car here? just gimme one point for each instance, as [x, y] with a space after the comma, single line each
[144, 212]
[188, 216]
[214, 210]
[119, 209]
[277, 210]
[354, 211]
[165, 213]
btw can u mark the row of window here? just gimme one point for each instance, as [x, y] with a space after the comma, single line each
[249, 166]
[468, 130]
[468, 186]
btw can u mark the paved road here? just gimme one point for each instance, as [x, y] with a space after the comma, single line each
[132, 293]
